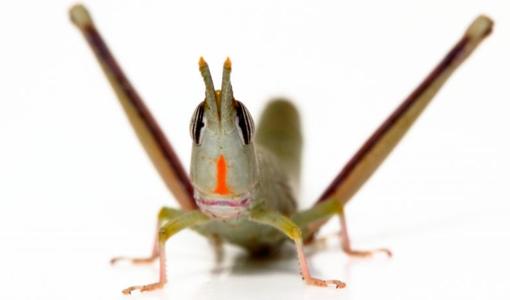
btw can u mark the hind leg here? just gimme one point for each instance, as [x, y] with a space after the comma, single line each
[382, 142]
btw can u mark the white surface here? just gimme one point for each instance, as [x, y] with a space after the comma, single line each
[76, 187]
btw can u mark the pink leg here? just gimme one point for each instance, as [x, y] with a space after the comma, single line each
[292, 230]
[346, 243]
[306, 273]
[174, 225]
[162, 275]
[164, 214]
[142, 260]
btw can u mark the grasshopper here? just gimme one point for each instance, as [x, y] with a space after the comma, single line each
[243, 184]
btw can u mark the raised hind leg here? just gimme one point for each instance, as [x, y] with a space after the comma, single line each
[152, 138]
[375, 150]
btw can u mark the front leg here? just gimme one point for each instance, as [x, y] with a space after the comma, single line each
[165, 214]
[173, 225]
[292, 230]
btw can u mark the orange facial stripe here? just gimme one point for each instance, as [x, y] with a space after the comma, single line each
[221, 177]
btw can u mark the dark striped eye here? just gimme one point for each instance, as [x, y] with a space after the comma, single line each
[197, 125]
[244, 123]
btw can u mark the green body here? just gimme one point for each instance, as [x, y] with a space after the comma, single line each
[243, 187]
[278, 145]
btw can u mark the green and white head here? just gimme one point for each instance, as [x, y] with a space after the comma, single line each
[223, 164]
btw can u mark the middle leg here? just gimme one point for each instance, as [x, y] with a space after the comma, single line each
[171, 227]
[165, 214]
[312, 219]
[292, 230]
[346, 242]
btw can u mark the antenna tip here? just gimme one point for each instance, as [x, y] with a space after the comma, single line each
[201, 63]
[480, 28]
[80, 16]
[228, 64]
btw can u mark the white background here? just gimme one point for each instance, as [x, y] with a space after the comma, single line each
[76, 187]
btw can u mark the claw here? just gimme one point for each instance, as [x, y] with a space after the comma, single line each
[321, 241]
[143, 288]
[134, 260]
[367, 253]
[324, 283]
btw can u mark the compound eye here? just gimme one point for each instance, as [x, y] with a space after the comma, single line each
[244, 123]
[197, 124]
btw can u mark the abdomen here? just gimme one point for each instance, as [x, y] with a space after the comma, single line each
[279, 132]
